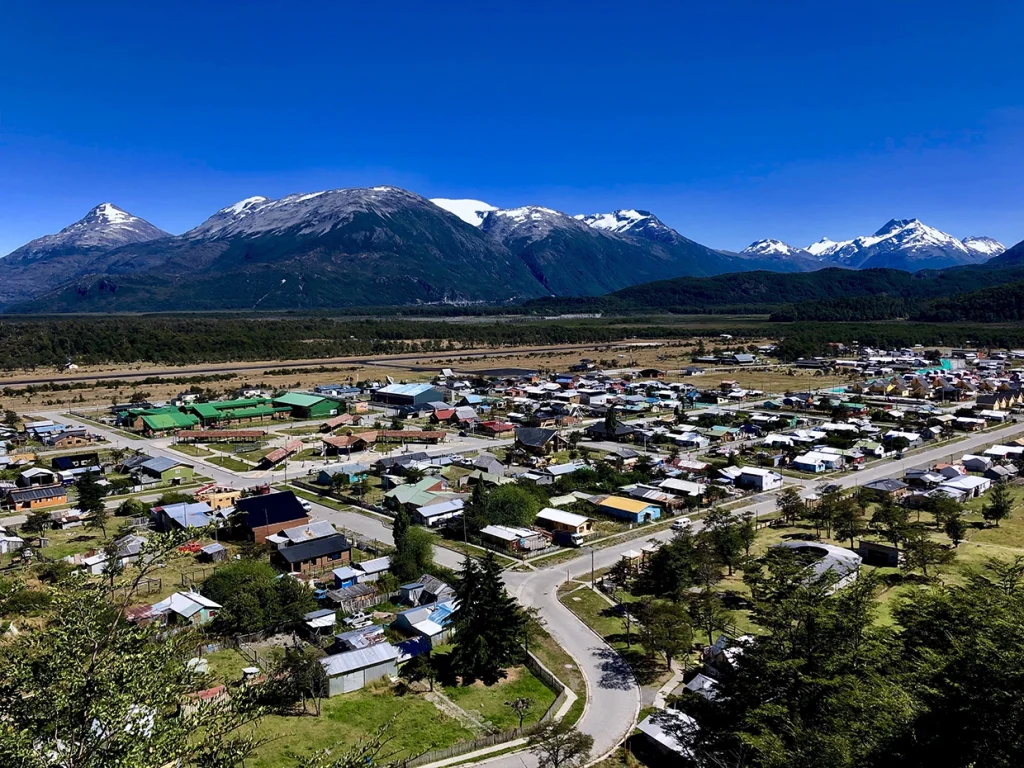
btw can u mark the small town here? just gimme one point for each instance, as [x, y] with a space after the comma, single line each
[426, 550]
[552, 385]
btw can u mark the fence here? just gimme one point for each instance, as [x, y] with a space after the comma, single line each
[546, 676]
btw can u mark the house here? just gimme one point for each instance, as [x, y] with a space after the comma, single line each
[75, 461]
[998, 473]
[305, 406]
[418, 494]
[370, 570]
[974, 463]
[35, 476]
[683, 487]
[816, 462]
[838, 564]
[887, 487]
[559, 521]
[875, 553]
[37, 497]
[188, 608]
[668, 735]
[758, 479]
[634, 510]
[351, 472]
[513, 539]
[278, 455]
[539, 441]
[182, 515]
[599, 431]
[320, 623]
[432, 621]
[165, 470]
[344, 577]
[351, 670]
[269, 513]
[427, 589]
[218, 497]
[489, 463]
[494, 428]
[702, 685]
[438, 512]
[313, 555]
[213, 553]
[966, 487]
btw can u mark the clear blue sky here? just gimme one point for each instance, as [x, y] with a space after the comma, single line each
[730, 120]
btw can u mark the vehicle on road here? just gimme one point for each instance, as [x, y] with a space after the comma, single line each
[682, 524]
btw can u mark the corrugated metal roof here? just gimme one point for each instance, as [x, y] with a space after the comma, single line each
[405, 389]
[350, 661]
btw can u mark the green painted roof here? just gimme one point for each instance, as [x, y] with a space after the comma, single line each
[173, 419]
[206, 410]
[251, 413]
[298, 400]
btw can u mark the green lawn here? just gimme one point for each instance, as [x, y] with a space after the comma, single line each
[226, 666]
[418, 727]
[488, 702]
[190, 450]
[230, 463]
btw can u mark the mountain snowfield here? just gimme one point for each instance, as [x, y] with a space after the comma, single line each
[470, 211]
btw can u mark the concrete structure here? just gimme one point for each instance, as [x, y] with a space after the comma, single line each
[842, 565]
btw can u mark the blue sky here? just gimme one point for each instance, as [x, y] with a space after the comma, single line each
[732, 121]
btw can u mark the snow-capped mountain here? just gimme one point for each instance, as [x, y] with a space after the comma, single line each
[772, 248]
[49, 261]
[986, 246]
[470, 211]
[105, 226]
[906, 244]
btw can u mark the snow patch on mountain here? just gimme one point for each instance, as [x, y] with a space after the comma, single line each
[470, 211]
[984, 245]
[620, 222]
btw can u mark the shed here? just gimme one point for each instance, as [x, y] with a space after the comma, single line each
[351, 670]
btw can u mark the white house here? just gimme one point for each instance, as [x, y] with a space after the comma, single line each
[967, 486]
[759, 479]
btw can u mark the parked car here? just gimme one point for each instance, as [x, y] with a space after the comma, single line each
[306, 505]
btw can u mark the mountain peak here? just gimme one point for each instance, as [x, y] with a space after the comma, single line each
[470, 211]
[771, 247]
[894, 225]
[107, 213]
[622, 221]
[105, 226]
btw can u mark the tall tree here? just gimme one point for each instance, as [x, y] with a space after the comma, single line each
[891, 520]
[664, 628]
[488, 624]
[790, 505]
[90, 501]
[920, 552]
[1000, 504]
[849, 519]
[560, 745]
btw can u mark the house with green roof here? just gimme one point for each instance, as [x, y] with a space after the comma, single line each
[305, 406]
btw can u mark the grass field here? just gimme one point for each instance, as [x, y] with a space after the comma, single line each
[488, 702]
[418, 727]
[231, 463]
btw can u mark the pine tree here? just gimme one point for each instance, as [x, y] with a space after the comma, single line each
[90, 501]
[489, 625]
[999, 506]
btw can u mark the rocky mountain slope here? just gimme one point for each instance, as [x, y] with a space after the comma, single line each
[39, 265]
